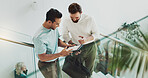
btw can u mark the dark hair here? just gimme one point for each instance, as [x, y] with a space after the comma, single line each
[74, 8]
[52, 14]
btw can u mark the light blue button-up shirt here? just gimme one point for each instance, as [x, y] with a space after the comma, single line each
[46, 41]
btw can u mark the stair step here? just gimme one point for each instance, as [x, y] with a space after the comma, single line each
[109, 76]
[101, 75]
[98, 75]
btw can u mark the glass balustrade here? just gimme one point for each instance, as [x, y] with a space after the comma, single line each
[123, 54]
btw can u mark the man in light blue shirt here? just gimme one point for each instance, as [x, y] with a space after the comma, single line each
[46, 42]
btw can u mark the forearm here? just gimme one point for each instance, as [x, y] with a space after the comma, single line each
[70, 42]
[61, 43]
[47, 57]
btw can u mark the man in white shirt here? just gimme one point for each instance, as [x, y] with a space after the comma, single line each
[82, 29]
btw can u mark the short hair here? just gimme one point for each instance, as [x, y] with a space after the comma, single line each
[74, 8]
[52, 14]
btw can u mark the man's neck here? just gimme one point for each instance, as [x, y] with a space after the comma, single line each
[46, 26]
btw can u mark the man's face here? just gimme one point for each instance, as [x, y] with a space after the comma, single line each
[75, 17]
[56, 23]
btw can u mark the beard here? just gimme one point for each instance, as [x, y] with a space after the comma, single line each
[75, 21]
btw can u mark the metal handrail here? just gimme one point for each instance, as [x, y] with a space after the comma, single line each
[125, 43]
[122, 28]
[21, 43]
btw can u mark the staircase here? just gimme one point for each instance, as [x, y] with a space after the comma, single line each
[101, 75]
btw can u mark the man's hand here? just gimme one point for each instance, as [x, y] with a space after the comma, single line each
[70, 45]
[64, 52]
[70, 42]
[86, 39]
[82, 40]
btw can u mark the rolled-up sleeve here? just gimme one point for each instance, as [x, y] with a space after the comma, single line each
[39, 46]
[94, 30]
[58, 33]
[65, 32]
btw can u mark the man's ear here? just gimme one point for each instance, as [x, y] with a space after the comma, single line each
[49, 21]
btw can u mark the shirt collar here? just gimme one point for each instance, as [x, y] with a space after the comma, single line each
[45, 29]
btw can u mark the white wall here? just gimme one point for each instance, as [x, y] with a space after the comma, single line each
[26, 16]
[10, 55]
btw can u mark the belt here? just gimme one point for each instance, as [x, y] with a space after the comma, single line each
[49, 62]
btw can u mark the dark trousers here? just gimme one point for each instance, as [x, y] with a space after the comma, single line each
[49, 69]
[88, 56]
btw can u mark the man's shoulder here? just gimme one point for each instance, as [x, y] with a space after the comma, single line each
[88, 17]
[85, 18]
[66, 19]
[39, 35]
[43, 34]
